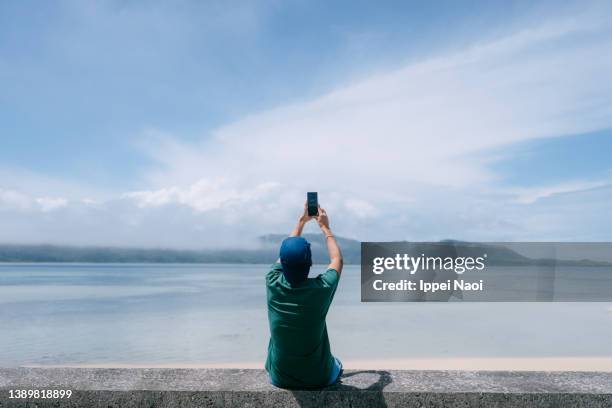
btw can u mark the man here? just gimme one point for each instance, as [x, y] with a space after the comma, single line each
[299, 355]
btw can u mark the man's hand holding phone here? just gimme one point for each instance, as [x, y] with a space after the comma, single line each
[305, 217]
[323, 221]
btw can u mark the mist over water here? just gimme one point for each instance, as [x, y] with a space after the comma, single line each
[164, 314]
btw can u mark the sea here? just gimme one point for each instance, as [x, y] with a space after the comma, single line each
[88, 314]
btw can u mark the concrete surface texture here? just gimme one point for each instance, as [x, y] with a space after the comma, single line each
[107, 387]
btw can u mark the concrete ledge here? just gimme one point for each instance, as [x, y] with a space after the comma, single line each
[104, 387]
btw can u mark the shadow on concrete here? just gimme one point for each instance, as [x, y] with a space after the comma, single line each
[370, 395]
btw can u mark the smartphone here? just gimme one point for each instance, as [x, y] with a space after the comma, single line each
[313, 203]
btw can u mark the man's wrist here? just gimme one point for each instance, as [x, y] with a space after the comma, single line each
[326, 231]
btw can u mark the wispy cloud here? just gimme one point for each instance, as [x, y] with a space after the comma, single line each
[17, 201]
[201, 196]
[10, 199]
[396, 137]
[401, 154]
[51, 203]
[528, 195]
[423, 124]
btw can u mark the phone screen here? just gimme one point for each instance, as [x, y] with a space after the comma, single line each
[313, 203]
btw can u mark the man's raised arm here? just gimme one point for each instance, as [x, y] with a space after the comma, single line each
[335, 256]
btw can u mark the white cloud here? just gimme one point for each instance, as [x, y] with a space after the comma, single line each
[390, 144]
[51, 203]
[203, 195]
[34, 184]
[361, 208]
[15, 200]
[424, 125]
[399, 155]
[10, 199]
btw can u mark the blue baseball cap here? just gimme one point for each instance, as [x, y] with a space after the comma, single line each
[296, 259]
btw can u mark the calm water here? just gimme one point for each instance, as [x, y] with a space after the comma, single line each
[73, 314]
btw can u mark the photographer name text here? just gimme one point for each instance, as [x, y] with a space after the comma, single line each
[428, 287]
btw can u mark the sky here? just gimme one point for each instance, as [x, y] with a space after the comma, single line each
[195, 124]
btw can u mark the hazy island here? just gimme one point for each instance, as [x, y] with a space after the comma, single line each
[265, 251]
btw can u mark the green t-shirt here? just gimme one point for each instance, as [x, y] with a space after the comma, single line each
[298, 353]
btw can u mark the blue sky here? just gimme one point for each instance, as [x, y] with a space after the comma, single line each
[202, 123]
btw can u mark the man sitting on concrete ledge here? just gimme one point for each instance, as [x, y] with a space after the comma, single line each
[299, 354]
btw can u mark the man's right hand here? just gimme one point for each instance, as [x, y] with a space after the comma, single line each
[322, 219]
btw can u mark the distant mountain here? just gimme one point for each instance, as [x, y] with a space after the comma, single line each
[265, 252]
[499, 255]
[54, 253]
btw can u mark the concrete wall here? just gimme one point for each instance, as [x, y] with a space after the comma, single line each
[250, 388]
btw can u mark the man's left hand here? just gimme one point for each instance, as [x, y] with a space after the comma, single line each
[304, 218]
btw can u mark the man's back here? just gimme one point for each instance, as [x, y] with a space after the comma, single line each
[299, 354]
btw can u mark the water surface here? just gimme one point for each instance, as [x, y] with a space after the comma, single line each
[207, 314]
